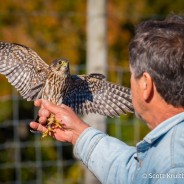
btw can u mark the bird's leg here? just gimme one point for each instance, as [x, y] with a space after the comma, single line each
[52, 123]
[46, 133]
[32, 130]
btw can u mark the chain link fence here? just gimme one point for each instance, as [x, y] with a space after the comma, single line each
[27, 158]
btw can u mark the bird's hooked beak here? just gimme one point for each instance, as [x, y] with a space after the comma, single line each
[63, 66]
[63, 63]
[60, 66]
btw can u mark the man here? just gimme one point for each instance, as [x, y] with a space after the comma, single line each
[157, 84]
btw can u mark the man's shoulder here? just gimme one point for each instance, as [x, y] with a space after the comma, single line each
[171, 146]
[177, 146]
[165, 158]
[168, 151]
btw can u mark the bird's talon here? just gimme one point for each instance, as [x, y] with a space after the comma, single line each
[45, 134]
[58, 125]
[52, 123]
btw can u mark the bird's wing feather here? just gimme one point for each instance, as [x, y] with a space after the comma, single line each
[23, 68]
[92, 93]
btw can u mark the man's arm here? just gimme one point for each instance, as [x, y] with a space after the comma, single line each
[111, 160]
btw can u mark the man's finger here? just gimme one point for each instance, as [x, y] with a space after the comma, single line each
[37, 103]
[66, 107]
[38, 127]
[43, 120]
[51, 107]
[44, 112]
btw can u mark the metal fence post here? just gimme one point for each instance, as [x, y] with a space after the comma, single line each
[96, 58]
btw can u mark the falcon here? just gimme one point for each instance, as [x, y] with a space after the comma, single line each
[34, 79]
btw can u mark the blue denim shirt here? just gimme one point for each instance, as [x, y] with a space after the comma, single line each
[158, 158]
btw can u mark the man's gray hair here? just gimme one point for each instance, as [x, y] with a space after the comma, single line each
[158, 49]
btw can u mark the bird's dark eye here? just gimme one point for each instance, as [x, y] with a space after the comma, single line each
[60, 62]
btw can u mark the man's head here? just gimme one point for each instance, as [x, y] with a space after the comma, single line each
[157, 50]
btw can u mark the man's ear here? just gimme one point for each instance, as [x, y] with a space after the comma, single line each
[147, 86]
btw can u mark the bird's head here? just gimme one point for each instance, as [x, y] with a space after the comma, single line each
[60, 66]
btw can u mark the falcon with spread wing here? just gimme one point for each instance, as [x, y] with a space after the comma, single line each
[34, 79]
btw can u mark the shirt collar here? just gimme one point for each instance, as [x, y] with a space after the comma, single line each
[160, 130]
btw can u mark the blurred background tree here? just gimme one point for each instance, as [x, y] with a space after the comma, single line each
[58, 29]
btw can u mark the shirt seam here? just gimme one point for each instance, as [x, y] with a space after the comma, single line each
[93, 147]
[172, 147]
[78, 140]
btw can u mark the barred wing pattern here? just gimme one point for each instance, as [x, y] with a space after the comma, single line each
[23, 68]
[93, 94]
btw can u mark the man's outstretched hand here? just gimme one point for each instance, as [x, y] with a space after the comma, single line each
[72, 125]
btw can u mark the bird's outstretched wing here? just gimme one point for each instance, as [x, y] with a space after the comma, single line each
[93, 94]
[23, 68]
